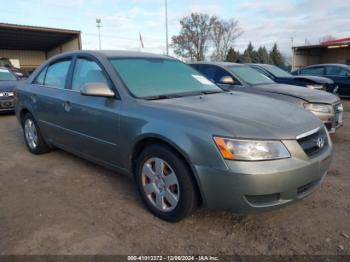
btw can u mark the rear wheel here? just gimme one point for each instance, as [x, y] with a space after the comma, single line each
[165, 183]
[32, 136]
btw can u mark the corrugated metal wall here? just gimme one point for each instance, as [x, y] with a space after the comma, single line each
[29, 60]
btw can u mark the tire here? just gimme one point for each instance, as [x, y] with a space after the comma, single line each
[32, 136]
[160, 192]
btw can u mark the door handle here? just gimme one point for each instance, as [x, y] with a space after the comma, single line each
[67, 106]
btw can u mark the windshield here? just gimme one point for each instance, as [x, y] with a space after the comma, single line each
[250, 75]
[276, 71]
[149, 77]
[5, 75]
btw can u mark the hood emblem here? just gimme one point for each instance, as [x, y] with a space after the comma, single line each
[6, 94]
[320, 142]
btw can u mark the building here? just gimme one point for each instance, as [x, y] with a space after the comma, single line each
[333, 51]
[28, 46]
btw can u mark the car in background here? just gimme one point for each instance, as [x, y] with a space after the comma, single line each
[8, 83]
[183, 139]
[5, 62]
[339, 73]
[281, 76]
[243, 78]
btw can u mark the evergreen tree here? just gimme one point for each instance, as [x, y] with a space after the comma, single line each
[276, 57]
[245, 58]
[263, 55]
[232, 55]
[250, 55]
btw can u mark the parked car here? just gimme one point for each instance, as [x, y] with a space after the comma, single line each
[339, 73]
[243, 78]
[183, 139]
[8, 82]
[5, 62]
[279, 75]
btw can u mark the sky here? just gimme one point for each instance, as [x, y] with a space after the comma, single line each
[263, 21]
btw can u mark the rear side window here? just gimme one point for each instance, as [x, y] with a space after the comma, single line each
[87, 71]
[39, 80]
[336, 71]
[57, 74]
[314, 71]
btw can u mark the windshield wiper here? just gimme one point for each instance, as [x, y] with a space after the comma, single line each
[159, 97]
[208, 92]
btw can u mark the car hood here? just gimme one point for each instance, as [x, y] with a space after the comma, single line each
[241, 115]
[316, 79]
[307, 94]
[7, 86]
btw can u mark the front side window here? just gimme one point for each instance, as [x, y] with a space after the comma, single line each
[147, 77]
[313, 71]
[6, 75]
[336, 71]
[250, 75]
[87, 71]
[56, 74]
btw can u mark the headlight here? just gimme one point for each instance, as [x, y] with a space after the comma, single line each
[321, 108]
[315, 86]
[250, 150]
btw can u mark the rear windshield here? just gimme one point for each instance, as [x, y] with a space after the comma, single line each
[250, 75]
[147, 77]
[6, 75]
[276, 71]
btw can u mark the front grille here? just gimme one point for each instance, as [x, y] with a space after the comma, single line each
[315, 143]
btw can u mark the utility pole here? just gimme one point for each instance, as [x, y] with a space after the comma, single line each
[166, 27]
[292, 40]
[98, 25]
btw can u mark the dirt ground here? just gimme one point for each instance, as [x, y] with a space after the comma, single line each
[60, 204]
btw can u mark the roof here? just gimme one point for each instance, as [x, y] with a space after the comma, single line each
[339, 65]
[325, 44]
[216, 63]
[24, 37]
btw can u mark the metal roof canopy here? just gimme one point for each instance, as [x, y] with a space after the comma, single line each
[20, 37]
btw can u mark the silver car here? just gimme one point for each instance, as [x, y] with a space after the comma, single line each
[184, 140]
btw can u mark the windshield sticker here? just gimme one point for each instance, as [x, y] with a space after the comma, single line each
[202, 80]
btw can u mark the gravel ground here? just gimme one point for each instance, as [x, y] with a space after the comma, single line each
[60, 204]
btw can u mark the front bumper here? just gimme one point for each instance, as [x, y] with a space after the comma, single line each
[333, 120]
[7, 104]
[263, 185]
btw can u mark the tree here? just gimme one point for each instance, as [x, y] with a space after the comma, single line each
[192, 42]
[263, 55]
[276, 57]
[232, 55]
[223, 35]
[245, 58]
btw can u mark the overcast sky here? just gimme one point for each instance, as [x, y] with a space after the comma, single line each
[263, 22]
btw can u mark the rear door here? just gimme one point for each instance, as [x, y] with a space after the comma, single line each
[341, 77]
[47, 98]
[92, 122]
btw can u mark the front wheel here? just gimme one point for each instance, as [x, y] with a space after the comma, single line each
[165, 183]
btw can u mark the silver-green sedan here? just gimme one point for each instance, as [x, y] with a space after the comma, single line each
[184, 140]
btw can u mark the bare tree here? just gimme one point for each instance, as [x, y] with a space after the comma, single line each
[192, 42]
[223, 35]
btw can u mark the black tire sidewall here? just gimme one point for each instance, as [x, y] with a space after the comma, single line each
[188, 197]
[41, 147]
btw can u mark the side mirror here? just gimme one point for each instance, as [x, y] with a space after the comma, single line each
[227, 80]
[96, 89]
